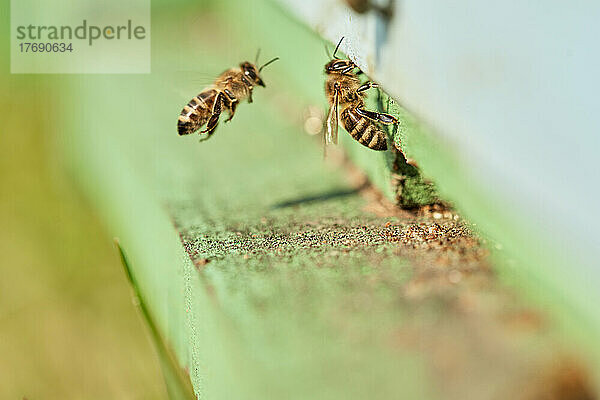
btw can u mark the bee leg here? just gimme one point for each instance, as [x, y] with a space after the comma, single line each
[249, 88]
[232, 112]
[214, 118]
[366, 86]
[233, 102]
[210, 127]
[376, 116]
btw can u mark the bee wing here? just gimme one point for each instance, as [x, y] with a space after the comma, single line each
[331, 133]
[185, 84]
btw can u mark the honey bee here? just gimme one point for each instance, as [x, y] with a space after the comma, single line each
[228, 90]
[344, 90]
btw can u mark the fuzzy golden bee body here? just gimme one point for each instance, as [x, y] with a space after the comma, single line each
[344, 91]
[228, 90]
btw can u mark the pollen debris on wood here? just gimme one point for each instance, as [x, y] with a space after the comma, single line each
[427, 265]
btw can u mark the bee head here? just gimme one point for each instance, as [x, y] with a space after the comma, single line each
[251, 72]
[339, 66]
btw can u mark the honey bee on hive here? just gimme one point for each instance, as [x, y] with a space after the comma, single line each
[345, 95]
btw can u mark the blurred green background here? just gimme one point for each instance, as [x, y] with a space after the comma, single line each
[68, 326]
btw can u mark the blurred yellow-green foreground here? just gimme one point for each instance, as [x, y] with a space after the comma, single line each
[68, 327]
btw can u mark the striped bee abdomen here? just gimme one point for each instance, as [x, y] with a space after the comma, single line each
[363, 130]
[197, 112]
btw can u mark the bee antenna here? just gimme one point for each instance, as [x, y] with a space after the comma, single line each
[267, 63]
[337, 47]
[257, 54]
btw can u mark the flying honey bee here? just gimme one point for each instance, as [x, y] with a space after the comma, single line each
[344, 90]
[228, 90]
